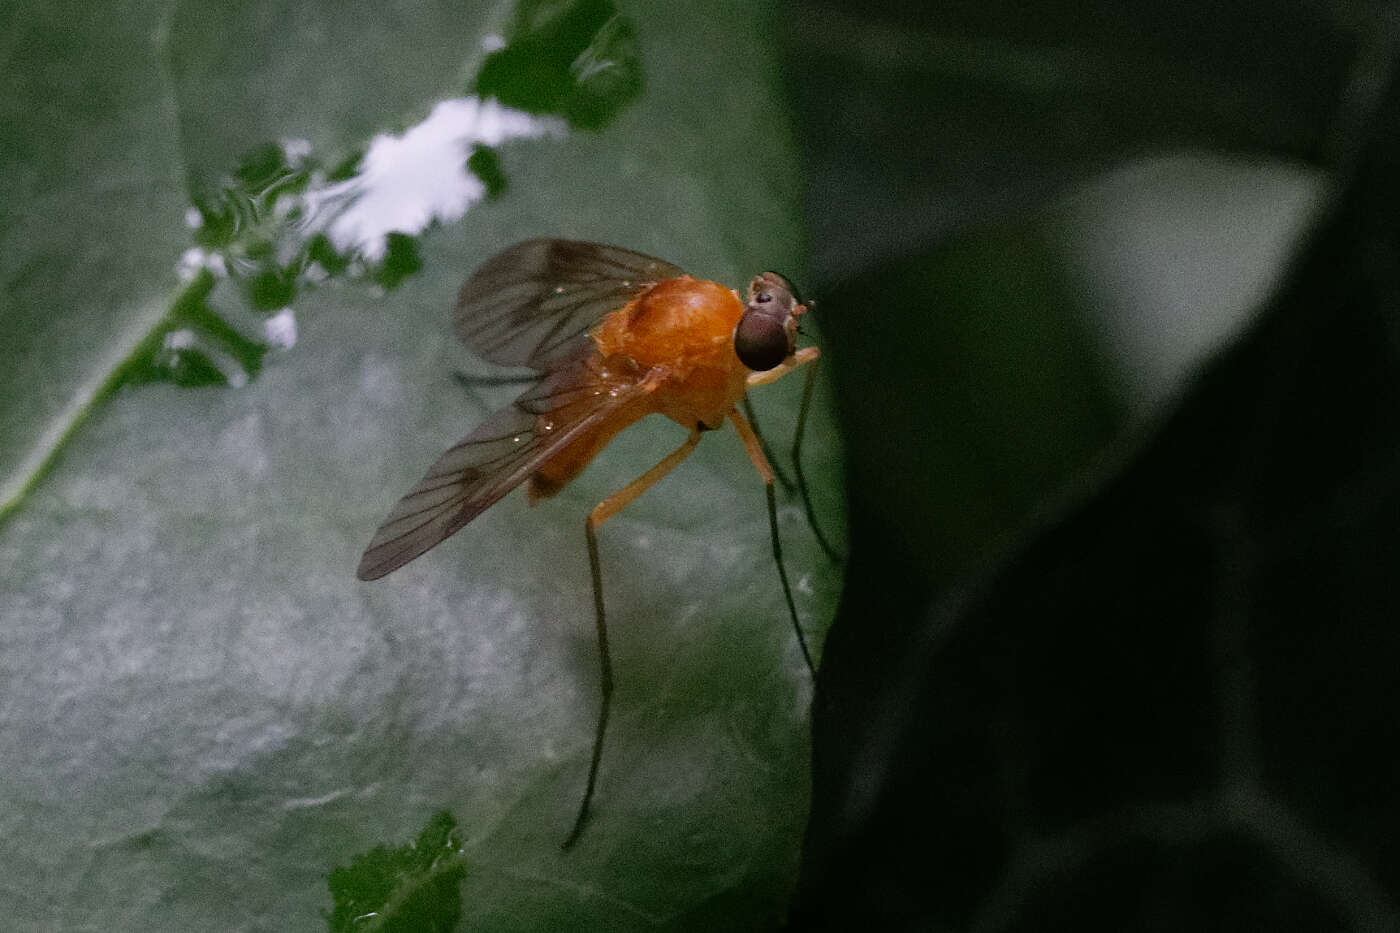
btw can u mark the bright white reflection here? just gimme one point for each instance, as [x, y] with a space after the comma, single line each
[195, 259]
[1176, 253]
[280, 330]
[408, 181]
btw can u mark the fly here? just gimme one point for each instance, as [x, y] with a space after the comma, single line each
[613, 336]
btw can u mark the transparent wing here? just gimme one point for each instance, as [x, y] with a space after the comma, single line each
[533, 304]
[495, 458]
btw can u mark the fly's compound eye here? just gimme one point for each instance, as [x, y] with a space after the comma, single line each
[767, 331]
[762, 341]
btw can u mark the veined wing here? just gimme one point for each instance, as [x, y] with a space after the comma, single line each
[533, 304]
[497, 456]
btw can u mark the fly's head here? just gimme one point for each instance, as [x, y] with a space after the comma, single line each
[767, 331]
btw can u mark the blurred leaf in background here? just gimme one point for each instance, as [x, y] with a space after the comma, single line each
[1110, 296]
[203, 712]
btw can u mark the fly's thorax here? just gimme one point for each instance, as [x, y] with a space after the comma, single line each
[680, 322]
[702, 395]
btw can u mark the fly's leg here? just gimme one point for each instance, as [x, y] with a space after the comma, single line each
[601, 513]
[797, 464]
[800, 358]
[766, 472]
[767, 451]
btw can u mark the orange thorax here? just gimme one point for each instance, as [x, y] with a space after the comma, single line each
[686, 327]
[681, 329]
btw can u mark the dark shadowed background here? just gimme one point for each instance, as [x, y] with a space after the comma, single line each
[1118, 640]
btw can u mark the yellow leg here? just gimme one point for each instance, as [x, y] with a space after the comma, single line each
[805, 355]
[760, 464]
[601, 513]
[624, 497]
[778, 473]
[800, 358]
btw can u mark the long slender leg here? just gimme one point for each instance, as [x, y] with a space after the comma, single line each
[800, 358]
[601, 513]
[767, 451]
[797, 464]
[764, 470]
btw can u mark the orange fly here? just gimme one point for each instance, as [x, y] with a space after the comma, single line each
[613, 336]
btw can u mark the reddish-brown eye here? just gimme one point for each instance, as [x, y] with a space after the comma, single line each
[761, 341]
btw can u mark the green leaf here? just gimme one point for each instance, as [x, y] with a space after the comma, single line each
[278, 224]
[486, 165]
[203, 711]
[577, 59]
[415, 888]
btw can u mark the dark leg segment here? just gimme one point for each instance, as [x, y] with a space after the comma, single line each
[782, 575]
[606, 683]
[797, 464]
[601, 513]
[760, 463]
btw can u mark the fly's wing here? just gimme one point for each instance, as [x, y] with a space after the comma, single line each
[533, 304]
[495, 458]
